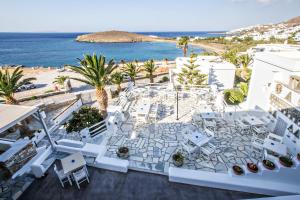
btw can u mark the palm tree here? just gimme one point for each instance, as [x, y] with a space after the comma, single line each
[10, 82]
[96, 73]
[231, 56]
[131, 69]
[150, 68]
[60, 80]
[183, 43]
[245, 60]
[117, 78]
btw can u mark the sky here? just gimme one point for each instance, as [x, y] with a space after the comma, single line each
[141, 15]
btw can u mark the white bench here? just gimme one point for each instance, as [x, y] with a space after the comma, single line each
[259, 184]
[113, 164]
[37, 169]
[87, 149]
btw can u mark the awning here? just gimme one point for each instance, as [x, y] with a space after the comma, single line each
[10, 115]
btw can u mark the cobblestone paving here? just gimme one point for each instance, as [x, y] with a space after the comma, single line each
[152, 144]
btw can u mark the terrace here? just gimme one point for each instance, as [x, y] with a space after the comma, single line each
[154, 122]
[152, 142]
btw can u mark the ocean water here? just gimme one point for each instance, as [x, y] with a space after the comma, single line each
[58, 49]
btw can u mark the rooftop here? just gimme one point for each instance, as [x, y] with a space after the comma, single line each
[12, 114]
[288, 60]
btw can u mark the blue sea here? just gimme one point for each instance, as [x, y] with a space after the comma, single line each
[58, 49]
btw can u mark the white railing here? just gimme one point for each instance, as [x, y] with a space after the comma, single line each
[63, 115]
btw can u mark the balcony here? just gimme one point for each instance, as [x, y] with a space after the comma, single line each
[287, 109]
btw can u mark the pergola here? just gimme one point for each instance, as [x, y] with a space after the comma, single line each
[10, 115]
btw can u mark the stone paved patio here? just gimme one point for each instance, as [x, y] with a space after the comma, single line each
[152, 144]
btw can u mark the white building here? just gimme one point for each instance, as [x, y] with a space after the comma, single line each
[297, 37]
[275, 87]
[219, 72]
[273, 48]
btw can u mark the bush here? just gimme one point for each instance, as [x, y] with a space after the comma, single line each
[233, 96]
[85, 117]
[164, 79]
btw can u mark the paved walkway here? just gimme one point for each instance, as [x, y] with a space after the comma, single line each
[151, 144]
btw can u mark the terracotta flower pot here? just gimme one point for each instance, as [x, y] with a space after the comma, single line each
[252, 167]
[177, 160]
[123, 152]
[237, 170]
[269, 164]
[285, 161]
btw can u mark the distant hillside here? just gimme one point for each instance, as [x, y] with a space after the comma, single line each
[115, 36]
[293, 22]
[289, 25]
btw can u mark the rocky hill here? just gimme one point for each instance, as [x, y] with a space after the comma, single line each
[115, 36]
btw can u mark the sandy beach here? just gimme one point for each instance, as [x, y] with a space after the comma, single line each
[45, 77]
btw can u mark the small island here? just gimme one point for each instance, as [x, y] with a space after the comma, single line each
[116, 37]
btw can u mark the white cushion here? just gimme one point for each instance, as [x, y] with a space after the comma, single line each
[70, 143]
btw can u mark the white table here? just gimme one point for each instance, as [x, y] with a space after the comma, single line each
[72, 162]
[143, 109]
[198, 138]
[252, 120]
[275, 147]
[208, 115]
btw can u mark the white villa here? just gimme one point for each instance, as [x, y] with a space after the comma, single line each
[218, 71]
[251, 149]
[275, 87]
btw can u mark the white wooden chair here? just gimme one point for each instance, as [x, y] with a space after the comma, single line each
[153, 113]
[189, 148]
[275, 137]
[257, 146]
[63, 178]
[209, 133]
[207, 150]
[80, 176]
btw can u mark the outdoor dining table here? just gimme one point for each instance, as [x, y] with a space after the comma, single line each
[143, 109]
[72, 163]
[275, 147]
[198, 138]
[252, 120]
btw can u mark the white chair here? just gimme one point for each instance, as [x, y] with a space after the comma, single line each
[207, 150]
[242, 126]
[257, 146]
[209, 133]
[189, 148]
[153, 113]
[80, 176]
[63, 178]
[275, 137]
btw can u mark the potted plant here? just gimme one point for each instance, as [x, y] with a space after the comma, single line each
[269, 164]
[252, 167]
[178, 159]
[123, 152]
[298, 156]
[238, 170]
[286, 161]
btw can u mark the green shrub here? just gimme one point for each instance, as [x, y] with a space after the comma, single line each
[233, 96]
[85, 117]
[164, 79]
[243, 88]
